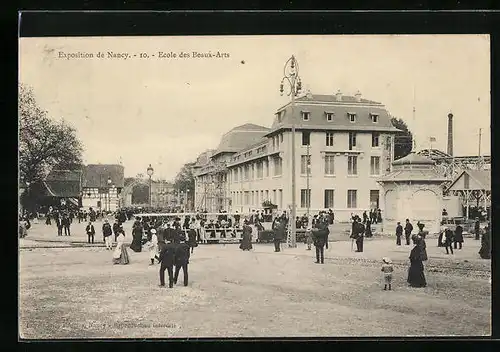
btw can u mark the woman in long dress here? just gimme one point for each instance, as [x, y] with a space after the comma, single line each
[246, 237]
[136, 244]
[120, 255]
[416, 277]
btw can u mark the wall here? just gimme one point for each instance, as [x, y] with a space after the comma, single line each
[109, 201]
[340, 182]
[416, 202]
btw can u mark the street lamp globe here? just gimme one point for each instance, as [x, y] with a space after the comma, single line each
[150, 170]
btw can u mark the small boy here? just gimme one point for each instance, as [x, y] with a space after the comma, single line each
[387, 270]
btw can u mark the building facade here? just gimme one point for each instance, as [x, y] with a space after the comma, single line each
[342, 145]
[101, 186]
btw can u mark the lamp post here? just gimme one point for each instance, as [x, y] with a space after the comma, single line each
[150, 172]
[291, 76]
[188, 208]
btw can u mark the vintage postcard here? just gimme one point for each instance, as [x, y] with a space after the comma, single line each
[254, 186]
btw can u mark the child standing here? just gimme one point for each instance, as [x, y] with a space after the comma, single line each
[387, 270]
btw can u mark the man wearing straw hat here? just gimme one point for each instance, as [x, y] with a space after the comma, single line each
[106, 233]
[387, 270]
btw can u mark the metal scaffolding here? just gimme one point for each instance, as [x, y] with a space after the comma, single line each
[452, 166]
[214, 181]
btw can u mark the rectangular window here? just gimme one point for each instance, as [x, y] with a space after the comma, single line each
[352, 117]
[305, 164]
[266, 165]
[277, 166]
[247, 198]
[374, 199]
[267, 194]
[305, 198]
[466, 181]
[352, 165]
[235, 175]
[352, 140]
[260, 171]
[329, 116]
[280, 199]
[352, 196]
[329, 198]
[306, 138]
[375, 165]
[274, 197]
[281, 138]
[306, 115]
[329, 139]
[375, 139]
[329, 164]
[374, 118]
[247, 172]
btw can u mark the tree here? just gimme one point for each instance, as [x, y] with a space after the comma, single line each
[43, 143]
[185, 178]
[403, 141]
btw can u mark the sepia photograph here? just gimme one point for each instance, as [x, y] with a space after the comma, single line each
[254, 186]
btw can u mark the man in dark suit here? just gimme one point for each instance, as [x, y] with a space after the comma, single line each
[279, 234]
[58, 219]
[167, 257]
[116, 227]
[182, 255]
[66, 224]
[90, 232]
[319, 239]
[408, 230]
[399, 233]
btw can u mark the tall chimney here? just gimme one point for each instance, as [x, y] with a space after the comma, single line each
[338, 95]
[450, 134]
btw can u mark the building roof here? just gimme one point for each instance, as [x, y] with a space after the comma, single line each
[419, 175]
[63, 183]
[413, 159]
[482, 177]
[240, 137]
[96, 175]
[340, 122]
[332, 98]
[434, 153]
[203, 158]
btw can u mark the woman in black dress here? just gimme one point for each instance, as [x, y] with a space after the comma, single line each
[416, 277]
[246, 241]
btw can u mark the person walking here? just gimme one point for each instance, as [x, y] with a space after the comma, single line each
[120, 255]
[181, 260]
[59, 224]
[90, 230]
[246, 237]
[192, 240]
[279, 234]
[408, 230]
[416, 277]
[166, 259]
[116, 227]
[107, 232]
[459, 237]
[319, 239]
[477, 229]
[448, 240]
[387, 270]
[485, 250]
[399, 233]
[66, 224]
[153, 247]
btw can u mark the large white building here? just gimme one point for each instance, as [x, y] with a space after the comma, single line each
[342, 143]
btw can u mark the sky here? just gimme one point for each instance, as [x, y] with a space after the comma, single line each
[166, 111]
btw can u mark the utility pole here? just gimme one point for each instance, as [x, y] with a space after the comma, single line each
[479, 146]
[414, 147]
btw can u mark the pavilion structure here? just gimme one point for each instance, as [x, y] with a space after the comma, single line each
[413, 190]
[473, 187]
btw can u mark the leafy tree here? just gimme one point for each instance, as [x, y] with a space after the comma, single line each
[403, 140]
[43, 143]
[185, 178]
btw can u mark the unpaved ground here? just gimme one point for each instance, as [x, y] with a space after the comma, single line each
[78, 293]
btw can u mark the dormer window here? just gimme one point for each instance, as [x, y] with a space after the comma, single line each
[352, 116]
[306, 115]
[329, 116]
[374, 118]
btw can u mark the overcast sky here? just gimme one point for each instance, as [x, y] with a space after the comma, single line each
[167, 111]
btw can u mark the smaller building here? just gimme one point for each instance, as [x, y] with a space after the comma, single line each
[102, 185]
[473, 187]
[414, 191]
[63, 187]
